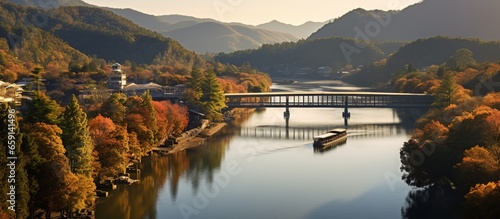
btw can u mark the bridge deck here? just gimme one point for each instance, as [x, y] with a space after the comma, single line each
[329, 99]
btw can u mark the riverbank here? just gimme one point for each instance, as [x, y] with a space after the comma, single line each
[196, 137]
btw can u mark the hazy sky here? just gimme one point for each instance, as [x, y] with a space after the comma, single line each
[255, 11]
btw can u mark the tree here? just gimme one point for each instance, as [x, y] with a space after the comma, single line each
[477, 166]
[482, 201]
[53, 170]
[111, 143]
[462, 59]
[114, 108]
[194, 87]
[36, 74]
[445, 92]
[10, 136]
[76, 138]
[212, 100]
[42, 109]
[33, 163]
[147, 104]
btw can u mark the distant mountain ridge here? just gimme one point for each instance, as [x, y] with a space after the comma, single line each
[50, 4]
[300, 31]
[174, 25]
[453, 18]
[206, 35]
[218, 37]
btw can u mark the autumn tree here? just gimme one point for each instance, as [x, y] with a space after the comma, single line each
[482, 201]
[76, 138]
[477, 166]
[56, 181]
[111, 143]
[136, 122]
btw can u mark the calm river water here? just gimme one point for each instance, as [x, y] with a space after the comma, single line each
[254, 169]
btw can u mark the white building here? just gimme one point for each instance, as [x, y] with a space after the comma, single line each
[10, 93]
[117, 79]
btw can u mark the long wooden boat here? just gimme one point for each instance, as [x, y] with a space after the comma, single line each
[331, 138]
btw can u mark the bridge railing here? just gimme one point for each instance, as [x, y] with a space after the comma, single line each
[330, 99]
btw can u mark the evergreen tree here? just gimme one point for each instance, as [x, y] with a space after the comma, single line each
[441, 71]
[4, 171]
[212, 100]
[36, 75]
[76, 139]
[33, 164]
[194, 87]
[114, 108]
[42, 109]
[444, 94]
[462, 59]
[147, 102]
[22, 183]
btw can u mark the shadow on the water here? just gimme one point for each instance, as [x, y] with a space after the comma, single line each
[432, 202]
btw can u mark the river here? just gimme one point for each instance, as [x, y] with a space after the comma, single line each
[254, 169]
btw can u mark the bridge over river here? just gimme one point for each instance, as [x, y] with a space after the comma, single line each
[328, 100]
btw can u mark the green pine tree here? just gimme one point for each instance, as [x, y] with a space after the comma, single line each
[76, 139]
[194, 84]
[212, 100]
[33, 163]
[444, 94]
[42, 109]
[461, 60]
[147, 102]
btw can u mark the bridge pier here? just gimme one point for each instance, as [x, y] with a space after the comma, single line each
[346, 114]
[286, 114]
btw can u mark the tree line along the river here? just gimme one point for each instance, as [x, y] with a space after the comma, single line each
[457, 142]
[64, 151]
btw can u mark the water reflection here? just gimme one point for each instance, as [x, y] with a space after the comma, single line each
[140, 200]
[433, 202]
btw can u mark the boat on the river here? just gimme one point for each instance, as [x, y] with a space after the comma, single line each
[331, 138]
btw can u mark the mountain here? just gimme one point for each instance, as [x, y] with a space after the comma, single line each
[100, 32]
[422, 53]
[144, 20]
[30, 44]
[92, 31]
[219, 37]
[176, 18]
[453, 18]
[50, 4]
[304, 54]
[301, 31]
[437, 50]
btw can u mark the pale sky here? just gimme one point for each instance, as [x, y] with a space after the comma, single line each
[256, 11]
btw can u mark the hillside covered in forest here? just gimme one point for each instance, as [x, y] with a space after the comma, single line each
[91, 31]
[429, 18]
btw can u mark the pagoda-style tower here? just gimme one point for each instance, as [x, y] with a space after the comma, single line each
[117, 79]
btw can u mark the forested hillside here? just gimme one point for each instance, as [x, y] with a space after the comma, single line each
[429, 18]
[333, 52]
